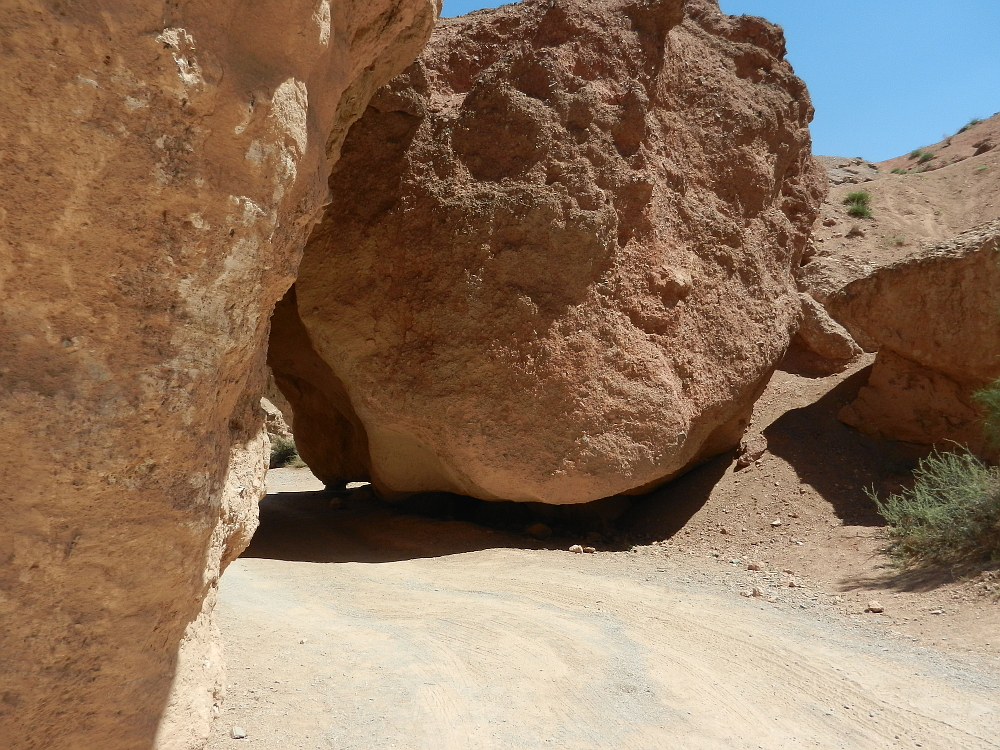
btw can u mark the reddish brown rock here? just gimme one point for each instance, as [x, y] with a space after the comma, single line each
[935, 319]
[824, 336]
[557, 265]
[160, 167]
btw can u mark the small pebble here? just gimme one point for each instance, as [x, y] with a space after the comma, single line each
[755, 566]
[576, 548]
[589, 550]
[757, 592]
[875, 607]
[776, 522]
[238, 733]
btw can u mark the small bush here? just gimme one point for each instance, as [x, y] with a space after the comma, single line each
[899, 170]
[284, 453]
[970, 124]
[859, 204]
[925, 157]
[916, 153]
[951, 515]
[989, 399]
[981, 169]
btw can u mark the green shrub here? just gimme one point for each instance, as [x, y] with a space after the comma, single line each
[970, 124]
[951, 515]
[284, 453]
[925, 157]
[899, 170]
[989, 399]
[859, 204]
[916, 153]
[981, 169]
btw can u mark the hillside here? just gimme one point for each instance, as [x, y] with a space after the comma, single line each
[955, 191]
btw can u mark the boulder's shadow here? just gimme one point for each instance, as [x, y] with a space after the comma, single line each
[838, 461]
[355, 526]
[666, 510]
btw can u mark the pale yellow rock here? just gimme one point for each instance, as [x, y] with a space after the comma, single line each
[160, 167]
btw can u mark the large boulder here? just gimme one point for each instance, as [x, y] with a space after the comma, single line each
[160, 167]
[934, 318]
[558, 261]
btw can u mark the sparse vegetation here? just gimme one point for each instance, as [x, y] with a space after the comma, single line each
[970, 124]
[896, 240]
[859, 204]
[921, 156]
[952, 513]
[284, 454]
[950, 516]
[983, 168]
[989, 399]
[900, 170]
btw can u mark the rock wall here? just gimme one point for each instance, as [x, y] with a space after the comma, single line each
[557, 264]
[934, 318]
[160, 167]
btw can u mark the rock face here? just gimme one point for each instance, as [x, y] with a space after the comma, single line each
[557, 265]
[162, 164]
[825, 337]
[935, 320]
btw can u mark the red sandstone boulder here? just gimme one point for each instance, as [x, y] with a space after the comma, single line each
[558, 261]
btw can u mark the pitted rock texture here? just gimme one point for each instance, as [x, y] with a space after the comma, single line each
[935, 320]
[557, 264]
[160, 167]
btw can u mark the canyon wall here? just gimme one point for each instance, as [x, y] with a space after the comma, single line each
[161, 165]
[558, 260]
[934, 318]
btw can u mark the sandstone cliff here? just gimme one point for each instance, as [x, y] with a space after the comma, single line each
[162, 164]
[934, 319]
[558, 261]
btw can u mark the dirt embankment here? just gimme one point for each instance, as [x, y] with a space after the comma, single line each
[950, 195]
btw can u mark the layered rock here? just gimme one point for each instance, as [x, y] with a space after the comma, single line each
[935, 320]
[162, 164]
[557, 264]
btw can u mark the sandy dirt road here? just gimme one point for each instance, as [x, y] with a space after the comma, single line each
[520, 648]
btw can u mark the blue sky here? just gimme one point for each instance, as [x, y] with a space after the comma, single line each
[886, 77]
